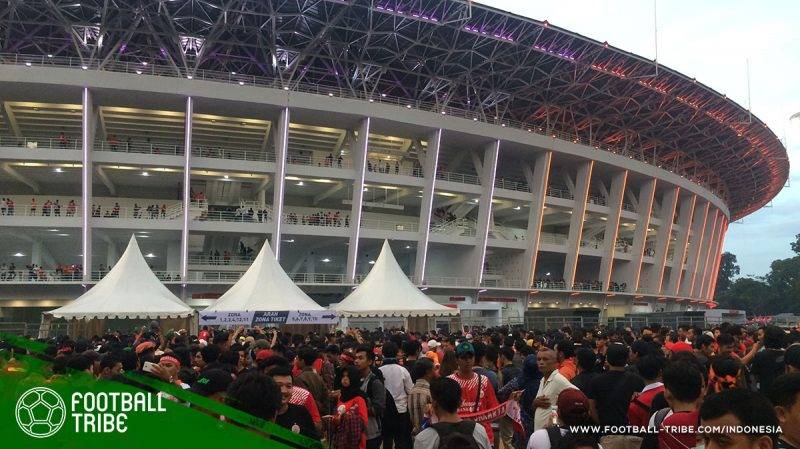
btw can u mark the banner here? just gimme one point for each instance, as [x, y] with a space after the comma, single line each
[261, 318]
[509, 408]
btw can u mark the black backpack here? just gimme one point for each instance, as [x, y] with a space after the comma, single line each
[458, 434]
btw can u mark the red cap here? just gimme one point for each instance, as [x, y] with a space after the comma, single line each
[679, 346]
[263, 354]
[572, 403]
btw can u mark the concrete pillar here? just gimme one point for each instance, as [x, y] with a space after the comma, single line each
[487, 177]
[698, 229]
[537, 181]
[426, 206]
[173, 256]
[685, 217]
[281, 137]
[712, 287]
[615, 199]
[187, 150]
[668, 206]
[582, 184]
[712, 231]
[36, 253]
[112, 255]
[711, 260]
[646, 196]
[88, 127]
[359, 152]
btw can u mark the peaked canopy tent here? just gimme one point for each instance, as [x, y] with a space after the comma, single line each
[265, 295]
[129, 291]
[388, 293]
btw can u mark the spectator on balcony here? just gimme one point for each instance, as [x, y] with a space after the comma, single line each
[163, 211]
[226, 258]
[115, 211]
[113, 142]
[33, 206]
[339, 161]
[71, 207]
[63, 140]
[329, 160]
[396, 167]
[136, 210]
[57, 209]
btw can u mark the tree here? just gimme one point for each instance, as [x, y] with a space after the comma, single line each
[796, 244]
[749, 294]
[728, 269]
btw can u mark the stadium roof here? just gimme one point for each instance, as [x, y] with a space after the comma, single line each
[447, 53]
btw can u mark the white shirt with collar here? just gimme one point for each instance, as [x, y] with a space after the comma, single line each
[398, 381]
[551, 386]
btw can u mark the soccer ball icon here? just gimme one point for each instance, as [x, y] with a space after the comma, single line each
[40, 412]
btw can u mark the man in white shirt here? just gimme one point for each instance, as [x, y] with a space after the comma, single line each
[398, 381]
[551, 385]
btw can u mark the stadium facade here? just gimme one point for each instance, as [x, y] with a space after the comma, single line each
[512, 165]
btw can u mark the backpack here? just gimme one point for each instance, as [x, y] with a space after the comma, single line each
[391, 417]
[554, 435]
[452, 435]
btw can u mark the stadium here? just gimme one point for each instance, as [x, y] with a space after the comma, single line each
[516, 168]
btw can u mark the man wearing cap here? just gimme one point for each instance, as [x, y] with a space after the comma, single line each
[433, 345]
[551, 385]
[572, 410]
[477, 393]
[213, 384]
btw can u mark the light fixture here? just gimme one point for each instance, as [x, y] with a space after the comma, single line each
[383, 95]
[63, 235]
[371, 262]
[150, 255]
[423, 288]
[285, 87]
[144, 232]
[366, 189]
[144, 173]
[138, 72]
[53, 230]
[517, 208]
[84, 67]
[547, 274]
[326, 260]
[233, 73]
[144, 63]
[19, 255]
[408, 246]
[49, 55]
[408, 106]
[226, 177]
[289, 240]
[189, 77]
[58, 170]
[28, 64]
[241, 83]
[481, 290]
[300, 183]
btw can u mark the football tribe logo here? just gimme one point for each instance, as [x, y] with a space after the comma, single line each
[40, 412]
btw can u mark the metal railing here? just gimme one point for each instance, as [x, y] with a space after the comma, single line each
[25, 210]
[460, 227]
[555, 192]
[628, 207]
[41, 143]
[587, 286]
[595, 199]
[144, 68]
[173, 212]
[312, 220]
[500, 232]
[156, 148]
[221, 277]
[394, 170]
[317, 161]
[558, 322]
[239, 154]
[553, 239]
[502, 283]
[206, 259]
[549, 285]
[38, 276]
[389, 225]
[449, 281]
[511, 185]
[463, 178]
[234, 217]
[317, 278]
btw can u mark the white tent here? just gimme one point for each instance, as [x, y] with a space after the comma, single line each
[264, 287]
[129, 290]
[387, 292]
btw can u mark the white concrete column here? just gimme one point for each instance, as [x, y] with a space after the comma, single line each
[537, 181]
[712, 285]
[668, 205]
[582, 183]
[711, 260]
[187, 152]
[36, 253]
[281, 144]
[173, 256]
[359, 151]
[698, 229]
[426, 206]
[487, 177]
[685, 217]
[112, 255]
[615, 199]
[646, 196]
[712, 231]
[88, 127]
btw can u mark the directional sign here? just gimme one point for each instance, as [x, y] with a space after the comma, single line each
[262, 318]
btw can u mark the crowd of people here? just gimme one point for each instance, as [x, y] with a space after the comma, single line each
[7, 206]
[37, 273]
[439, 390]
[321, 218]
[49, 208]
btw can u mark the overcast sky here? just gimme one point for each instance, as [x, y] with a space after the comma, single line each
[712, 41]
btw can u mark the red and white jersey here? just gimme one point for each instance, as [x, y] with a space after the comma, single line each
[303, 398]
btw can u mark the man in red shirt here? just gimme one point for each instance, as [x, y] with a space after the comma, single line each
[649, 367]
[683, 390]
[477, 394]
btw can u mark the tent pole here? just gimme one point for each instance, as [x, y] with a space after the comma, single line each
[44, 326]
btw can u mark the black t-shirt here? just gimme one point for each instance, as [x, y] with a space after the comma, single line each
[767, 365]
[296, 414]
[612, 392]
[409, 366]
[783, 444]
[582, 380]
